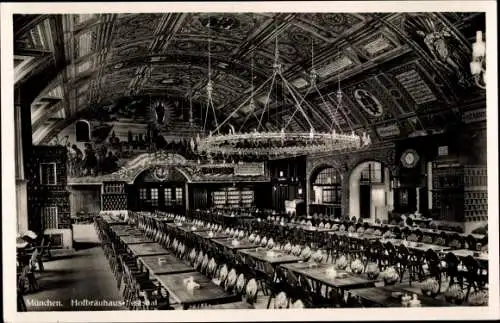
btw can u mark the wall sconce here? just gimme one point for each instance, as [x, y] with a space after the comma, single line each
[478, 63]
[281, 173]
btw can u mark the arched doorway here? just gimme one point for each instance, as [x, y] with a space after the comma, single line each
[159, 188]
[370, 194]
[326, 191]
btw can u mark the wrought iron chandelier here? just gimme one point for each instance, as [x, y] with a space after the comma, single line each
[260, 142]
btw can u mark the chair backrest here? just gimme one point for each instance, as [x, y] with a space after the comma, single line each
[452, 263]
[471, 242]
[240, 284]
[251, 291]
[223, 273]
[281, 301]
[232, 277]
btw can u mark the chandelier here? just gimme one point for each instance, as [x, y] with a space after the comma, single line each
[478, 63]
[262, 142]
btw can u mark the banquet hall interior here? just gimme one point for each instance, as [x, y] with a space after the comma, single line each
[256, 160]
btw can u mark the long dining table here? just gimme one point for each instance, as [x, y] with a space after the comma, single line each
[147, 249]
[213, 235]
[273, 257]
[208, 293]
[319, 274]
[135, 239]
[234, 244]
[418, 246]
[390, 296]
[164, 264]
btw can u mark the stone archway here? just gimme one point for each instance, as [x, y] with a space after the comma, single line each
[380, 194]
[314, 167]
[325, 185]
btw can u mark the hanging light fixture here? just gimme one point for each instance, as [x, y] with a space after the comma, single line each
[261, 142]
[478, 63]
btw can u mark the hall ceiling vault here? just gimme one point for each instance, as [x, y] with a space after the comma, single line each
[392, 82]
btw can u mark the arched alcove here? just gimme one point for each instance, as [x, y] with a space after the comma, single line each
[159, 188]
[370, 194]
[82, 131]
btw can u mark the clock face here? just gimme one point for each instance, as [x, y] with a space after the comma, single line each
[409, 158]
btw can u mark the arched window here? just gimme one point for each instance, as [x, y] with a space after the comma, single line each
[372, 173]
[327, 187]
[82, 131]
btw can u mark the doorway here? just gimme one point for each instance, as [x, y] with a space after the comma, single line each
[364, 201]
[368, 187]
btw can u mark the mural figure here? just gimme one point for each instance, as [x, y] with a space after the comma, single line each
[110, 163]
[75, 159]
[90, 161]
[160, 113]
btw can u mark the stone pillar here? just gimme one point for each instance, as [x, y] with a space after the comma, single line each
[186, 196]
[21, 183]
[417, 194]
[429, 185]
[389, 189]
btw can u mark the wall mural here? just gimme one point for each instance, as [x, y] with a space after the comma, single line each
[124, 129]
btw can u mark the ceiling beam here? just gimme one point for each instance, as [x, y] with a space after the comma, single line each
[24, 23]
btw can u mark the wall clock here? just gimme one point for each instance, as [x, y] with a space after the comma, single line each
[409, 158]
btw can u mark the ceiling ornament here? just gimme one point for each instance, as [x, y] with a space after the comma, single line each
[369, 103]
[161, 173]
[261, 142]
[446, 52]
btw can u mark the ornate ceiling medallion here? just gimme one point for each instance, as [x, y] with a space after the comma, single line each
[369, 103]
[220, 22]
[409, 158]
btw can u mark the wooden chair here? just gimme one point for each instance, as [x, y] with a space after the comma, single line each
[474, 277]
[451, 264]
[433, 267]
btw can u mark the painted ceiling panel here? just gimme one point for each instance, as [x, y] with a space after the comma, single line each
[396, 70]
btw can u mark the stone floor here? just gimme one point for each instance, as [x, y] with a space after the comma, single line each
[70, 283]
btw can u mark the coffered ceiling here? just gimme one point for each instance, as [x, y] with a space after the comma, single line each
[400, 73]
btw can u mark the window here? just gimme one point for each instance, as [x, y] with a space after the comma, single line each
[168, 196]
[328, 176]
[372, 173]
[48, 173]
[154, 196]
[332, 195]
[49, 217]
[178, 195]
[443, 151]
[143, 194]
[327, 187]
